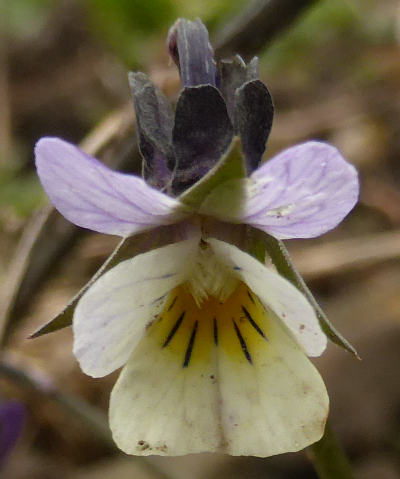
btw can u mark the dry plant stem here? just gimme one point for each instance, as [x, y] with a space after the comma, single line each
[5, 117]
[94, 419]
[35, 250]
[254, 28]
[344, 256]
[328, 458]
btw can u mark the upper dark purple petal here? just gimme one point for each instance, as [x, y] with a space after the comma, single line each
[202, 133]
[254, 112]
[232, 75]
[155, 122]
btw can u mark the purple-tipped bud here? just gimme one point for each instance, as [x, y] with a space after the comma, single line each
[214, 104]
[190, 49]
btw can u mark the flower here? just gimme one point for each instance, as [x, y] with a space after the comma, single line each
[212, 342]
[12, 419]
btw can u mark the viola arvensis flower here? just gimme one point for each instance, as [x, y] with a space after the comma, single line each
[213, 343]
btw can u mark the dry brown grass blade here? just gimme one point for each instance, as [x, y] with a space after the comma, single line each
[347, 255]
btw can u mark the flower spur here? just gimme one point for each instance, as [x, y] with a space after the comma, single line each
[212, 341]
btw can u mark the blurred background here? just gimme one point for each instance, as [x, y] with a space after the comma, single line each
[334, 75]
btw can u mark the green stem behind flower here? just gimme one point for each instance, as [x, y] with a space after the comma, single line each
[328, 457]
[281, 259]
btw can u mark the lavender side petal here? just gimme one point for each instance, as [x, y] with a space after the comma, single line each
[93, 196]
[302, 192]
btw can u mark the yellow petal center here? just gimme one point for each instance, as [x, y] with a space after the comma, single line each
[192, 333]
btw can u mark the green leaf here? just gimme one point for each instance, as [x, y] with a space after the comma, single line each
[281, 259]
[231, 166]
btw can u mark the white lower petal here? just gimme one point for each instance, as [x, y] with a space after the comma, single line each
[112, 315]
[217, 381]
[276, 404]
[159, 407]
[276, 293]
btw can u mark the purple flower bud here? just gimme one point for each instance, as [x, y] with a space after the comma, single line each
[190, 49]
[12, 419]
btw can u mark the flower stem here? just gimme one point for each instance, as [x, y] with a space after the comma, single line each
[328, 457]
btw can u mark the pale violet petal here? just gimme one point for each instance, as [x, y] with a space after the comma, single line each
[277, 294]
[261, 400]
[112, 315]
[303, 192]
[93, 196]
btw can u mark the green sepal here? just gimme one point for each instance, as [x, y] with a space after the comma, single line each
[64, 319]
[256, 244]
[127, 248]
[281, 259]
[232, 165]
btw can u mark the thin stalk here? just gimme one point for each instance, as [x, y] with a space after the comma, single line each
[328, 457]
